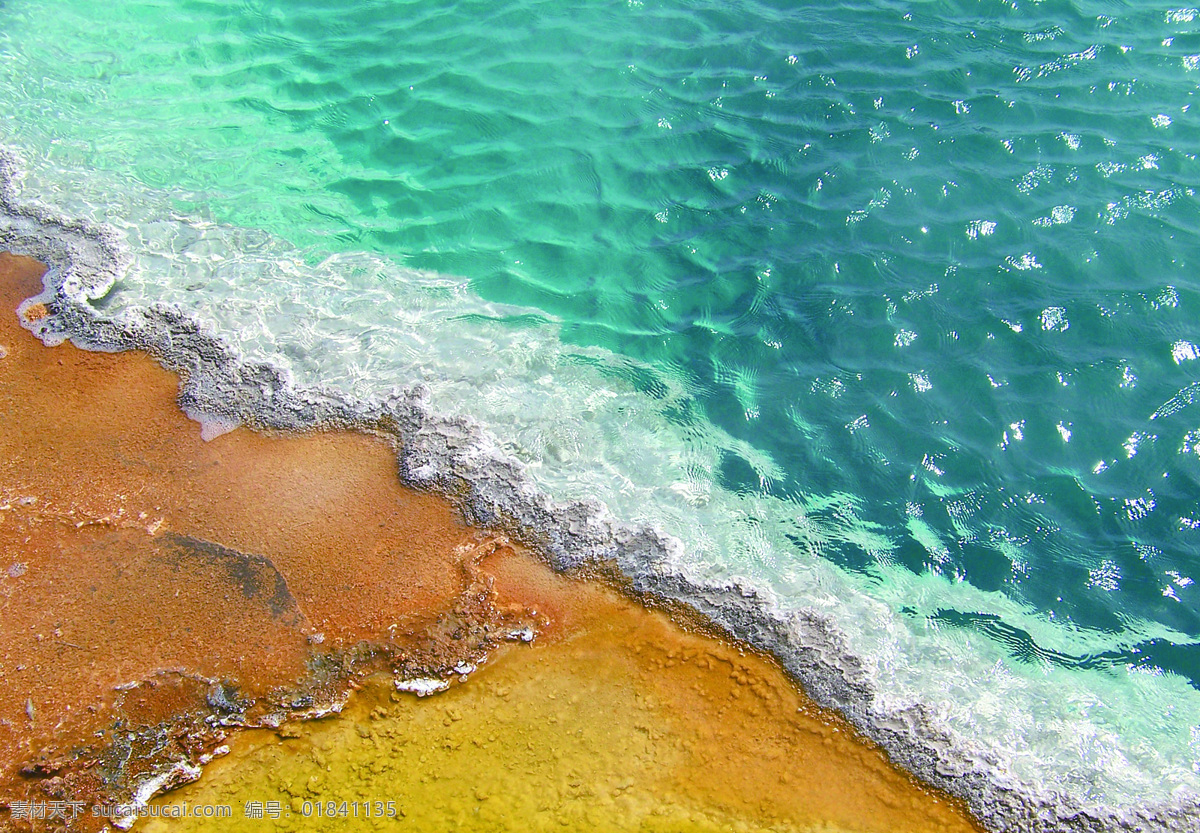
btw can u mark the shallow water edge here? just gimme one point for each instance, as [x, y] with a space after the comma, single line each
[458, 459]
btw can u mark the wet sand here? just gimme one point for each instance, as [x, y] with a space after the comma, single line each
[161, 595]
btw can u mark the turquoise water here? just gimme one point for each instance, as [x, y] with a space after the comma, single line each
[891, 308]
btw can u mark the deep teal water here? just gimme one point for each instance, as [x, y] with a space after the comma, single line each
[938, 257]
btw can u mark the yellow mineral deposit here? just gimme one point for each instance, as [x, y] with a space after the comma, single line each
[617, 720]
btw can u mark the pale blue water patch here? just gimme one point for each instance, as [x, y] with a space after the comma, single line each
[887, 307]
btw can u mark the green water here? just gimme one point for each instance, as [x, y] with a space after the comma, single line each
[928, 269]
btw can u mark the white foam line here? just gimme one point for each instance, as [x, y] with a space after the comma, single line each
[459, 458]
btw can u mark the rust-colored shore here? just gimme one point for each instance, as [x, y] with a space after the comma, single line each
[159, 593]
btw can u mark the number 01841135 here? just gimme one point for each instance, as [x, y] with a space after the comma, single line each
[348, 809]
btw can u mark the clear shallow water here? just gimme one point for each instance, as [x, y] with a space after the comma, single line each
[890, 308]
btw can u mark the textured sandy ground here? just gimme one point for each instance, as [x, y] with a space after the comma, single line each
[160, 595]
